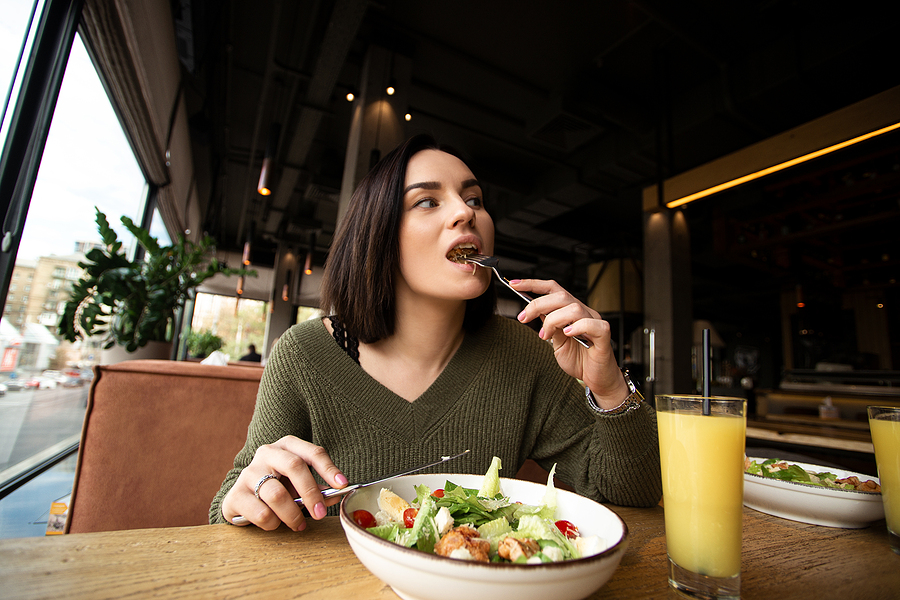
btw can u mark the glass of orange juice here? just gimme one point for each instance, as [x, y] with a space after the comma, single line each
[702, 458]
[884, 423]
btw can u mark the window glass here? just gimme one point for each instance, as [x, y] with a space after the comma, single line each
[14, 30]
[158, 229]
[86, 163]
[237, 323]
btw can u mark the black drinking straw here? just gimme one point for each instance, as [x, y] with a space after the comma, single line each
[705, 373]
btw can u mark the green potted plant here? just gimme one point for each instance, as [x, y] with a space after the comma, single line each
[131, 303]
[201, 344]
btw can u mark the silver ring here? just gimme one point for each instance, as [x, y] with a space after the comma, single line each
[261, 481]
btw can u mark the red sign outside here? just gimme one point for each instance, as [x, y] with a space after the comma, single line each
[9, 359]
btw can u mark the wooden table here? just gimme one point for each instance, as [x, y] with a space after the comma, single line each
[781, 559]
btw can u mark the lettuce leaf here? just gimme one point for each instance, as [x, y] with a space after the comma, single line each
[539, 528]
[490, 485]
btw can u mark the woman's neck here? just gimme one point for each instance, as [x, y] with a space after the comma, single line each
[426, 336]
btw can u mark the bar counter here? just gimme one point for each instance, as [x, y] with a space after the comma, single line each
[780, 559]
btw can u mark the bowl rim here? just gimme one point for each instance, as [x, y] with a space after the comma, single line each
[621, 544]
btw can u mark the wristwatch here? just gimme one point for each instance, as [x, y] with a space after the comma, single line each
[631, 402]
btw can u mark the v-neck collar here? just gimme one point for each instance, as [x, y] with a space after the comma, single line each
[410, 420]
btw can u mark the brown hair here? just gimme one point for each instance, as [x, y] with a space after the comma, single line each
[358, 283]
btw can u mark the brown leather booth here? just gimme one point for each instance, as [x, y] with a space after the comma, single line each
[158, 439]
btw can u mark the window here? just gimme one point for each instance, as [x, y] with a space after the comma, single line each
[238, 329]
[86, 162]
[13, 33]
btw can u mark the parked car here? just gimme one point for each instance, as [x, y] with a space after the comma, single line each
[70, 381]
[14, 385]
[2, 390]
[41, 383]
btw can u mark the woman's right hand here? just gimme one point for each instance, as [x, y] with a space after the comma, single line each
[290, 459]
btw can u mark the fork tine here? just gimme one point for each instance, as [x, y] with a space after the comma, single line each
[482, 260]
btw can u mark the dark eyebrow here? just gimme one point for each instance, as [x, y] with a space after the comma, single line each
[434, 185]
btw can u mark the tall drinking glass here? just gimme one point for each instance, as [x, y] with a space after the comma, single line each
[884, 423]
[702, 459]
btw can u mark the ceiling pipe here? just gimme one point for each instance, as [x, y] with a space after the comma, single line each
[343, 27]
[257, 125]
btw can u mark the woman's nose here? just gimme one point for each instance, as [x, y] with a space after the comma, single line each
[463, 213]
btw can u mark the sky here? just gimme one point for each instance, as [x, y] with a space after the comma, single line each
[87, 161]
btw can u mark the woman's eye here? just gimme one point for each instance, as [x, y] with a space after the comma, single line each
[474, 201]
[425, 203]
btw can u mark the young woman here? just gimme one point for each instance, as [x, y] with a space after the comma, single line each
[413, 364]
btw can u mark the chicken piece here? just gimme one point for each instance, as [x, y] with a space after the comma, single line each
[463, 542]
[861, 486]
[512, 549]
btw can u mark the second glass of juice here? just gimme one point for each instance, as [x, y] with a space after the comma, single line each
[884, 423]
[702, 457]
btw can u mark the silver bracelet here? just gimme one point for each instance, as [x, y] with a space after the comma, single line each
[631, 402]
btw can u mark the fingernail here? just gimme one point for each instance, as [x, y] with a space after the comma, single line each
[301, 526]
[515, 281]
[567, 330]
[521, 316]
[340, 479]
[319, 510]
[541, 333]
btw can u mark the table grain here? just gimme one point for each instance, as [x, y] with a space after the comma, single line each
[780, 559]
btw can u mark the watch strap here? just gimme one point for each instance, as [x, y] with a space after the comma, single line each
[631, 402]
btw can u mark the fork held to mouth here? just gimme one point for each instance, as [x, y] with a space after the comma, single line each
[491, 262]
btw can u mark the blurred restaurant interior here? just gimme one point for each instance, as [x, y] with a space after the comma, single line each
[583, 121]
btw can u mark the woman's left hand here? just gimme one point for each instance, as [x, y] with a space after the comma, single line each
[565, 317]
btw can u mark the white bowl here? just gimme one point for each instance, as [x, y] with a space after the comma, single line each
[415, 575]
[831, 507]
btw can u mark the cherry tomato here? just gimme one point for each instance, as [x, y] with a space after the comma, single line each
[438, 493]
[364, 518]
[567, 528]
[409, 516]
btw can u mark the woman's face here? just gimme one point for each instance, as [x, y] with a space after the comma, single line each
[443, 209]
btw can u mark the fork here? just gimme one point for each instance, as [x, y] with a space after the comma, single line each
[491, 262]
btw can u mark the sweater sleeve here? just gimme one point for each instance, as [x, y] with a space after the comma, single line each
[608, 458]
[280, 410]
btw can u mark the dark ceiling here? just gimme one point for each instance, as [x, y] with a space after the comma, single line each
[567, 111]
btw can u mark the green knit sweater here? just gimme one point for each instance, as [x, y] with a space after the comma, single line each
[502, 394]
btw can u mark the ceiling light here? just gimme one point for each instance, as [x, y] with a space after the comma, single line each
[781, 166]
[285, 291]
[391, 88]
[350, 97]
[271, 148]
[408, 117]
